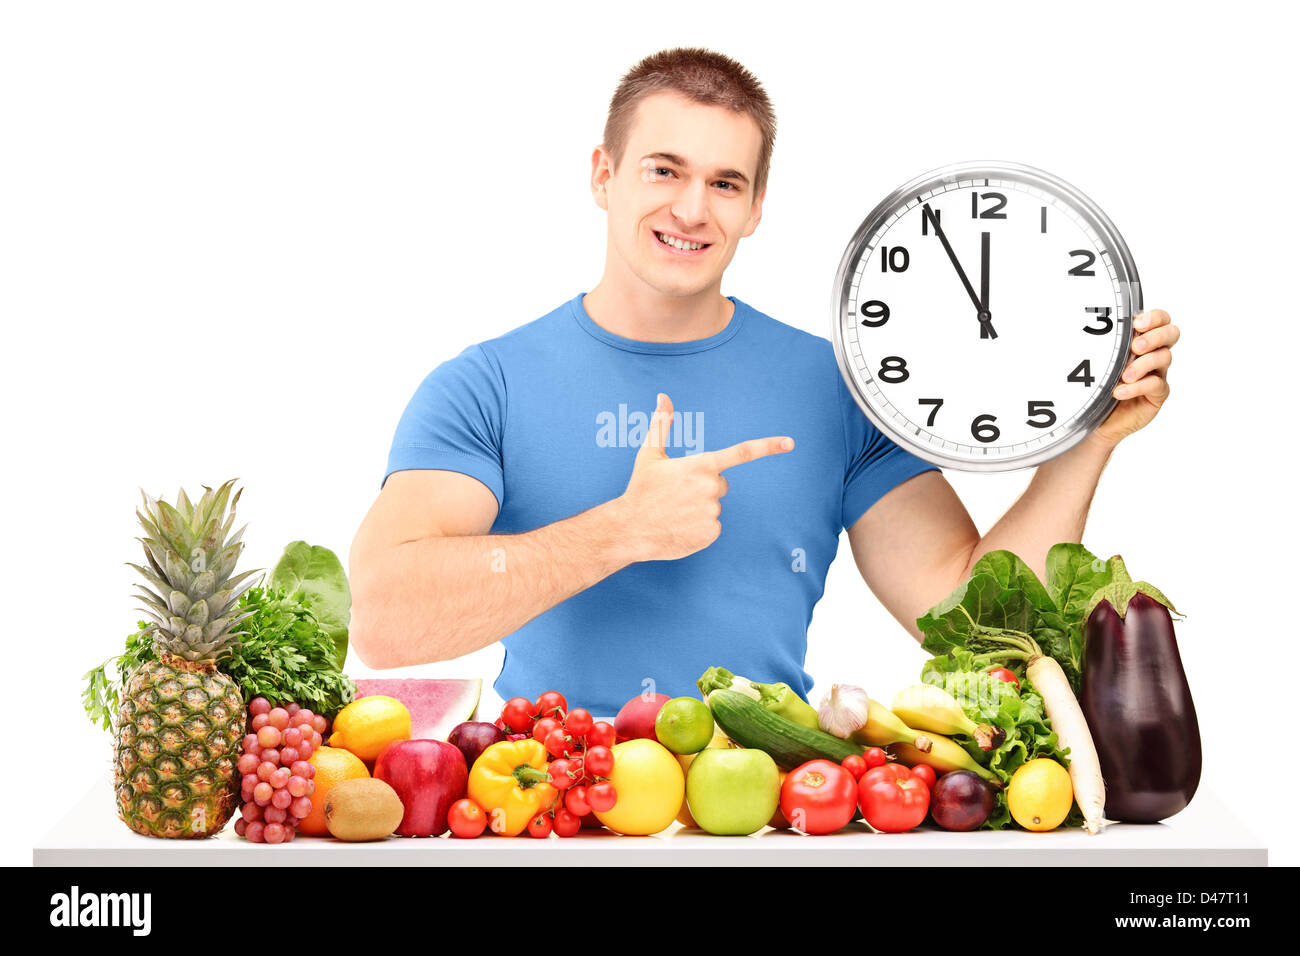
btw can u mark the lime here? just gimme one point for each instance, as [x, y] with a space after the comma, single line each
[684, 725]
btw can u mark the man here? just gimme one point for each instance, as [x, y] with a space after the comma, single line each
[529, 500]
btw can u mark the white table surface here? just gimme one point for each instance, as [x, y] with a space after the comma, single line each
[1205, 834]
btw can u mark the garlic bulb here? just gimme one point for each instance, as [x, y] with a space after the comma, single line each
[843, 712]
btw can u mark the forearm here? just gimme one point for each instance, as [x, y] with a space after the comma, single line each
[440, 597]
[1054, 508]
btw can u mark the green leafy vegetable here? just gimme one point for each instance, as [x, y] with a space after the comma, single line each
[283, 654]
[317, 573]
[1019, 713]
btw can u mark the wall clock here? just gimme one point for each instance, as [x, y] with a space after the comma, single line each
[983, 314]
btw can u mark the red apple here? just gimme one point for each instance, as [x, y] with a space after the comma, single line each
[429, 776]
[637, 718]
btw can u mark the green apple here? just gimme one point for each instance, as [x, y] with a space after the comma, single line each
[732, 792]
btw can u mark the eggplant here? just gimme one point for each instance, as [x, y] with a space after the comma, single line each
[1138, 705]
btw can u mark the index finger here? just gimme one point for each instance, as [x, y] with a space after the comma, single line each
[744, 451]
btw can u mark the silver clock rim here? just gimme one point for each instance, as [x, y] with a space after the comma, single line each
[1126, 277]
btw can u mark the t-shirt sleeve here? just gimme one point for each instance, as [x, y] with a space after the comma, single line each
[455, 421]
[875, 464]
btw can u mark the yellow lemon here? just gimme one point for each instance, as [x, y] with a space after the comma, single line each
[1040, 794]
[368, 725]
[650, 786]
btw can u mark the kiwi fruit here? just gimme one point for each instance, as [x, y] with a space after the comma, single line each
[362, 809]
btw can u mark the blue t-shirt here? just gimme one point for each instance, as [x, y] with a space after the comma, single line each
[550, 417]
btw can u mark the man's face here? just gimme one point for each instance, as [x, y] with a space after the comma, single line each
[687, 175]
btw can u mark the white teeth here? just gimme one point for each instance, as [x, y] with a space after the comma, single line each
[679, 243]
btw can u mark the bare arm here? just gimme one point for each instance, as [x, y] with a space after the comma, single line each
[918, 542]
[430, 583]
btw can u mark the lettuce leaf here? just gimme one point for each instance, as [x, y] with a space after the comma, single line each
[317, 574]
[1020, 714]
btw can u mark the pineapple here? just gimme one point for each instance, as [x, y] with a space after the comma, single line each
[181, 722]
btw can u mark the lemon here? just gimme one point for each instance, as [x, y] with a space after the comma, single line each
[650, 785]
[684, 725]
[1040, 795]
[368, 725]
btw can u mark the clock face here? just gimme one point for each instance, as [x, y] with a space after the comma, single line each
[983, 316]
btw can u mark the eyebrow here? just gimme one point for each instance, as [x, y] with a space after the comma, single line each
[678, 161]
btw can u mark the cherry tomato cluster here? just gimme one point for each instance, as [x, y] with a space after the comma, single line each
[892, 798]
[581, 761]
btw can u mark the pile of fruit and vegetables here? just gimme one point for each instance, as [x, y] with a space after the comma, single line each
[1044, 704]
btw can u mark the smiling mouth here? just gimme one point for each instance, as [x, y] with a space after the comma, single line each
[681, 245]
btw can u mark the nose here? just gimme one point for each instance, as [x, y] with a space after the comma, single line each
[691, 205]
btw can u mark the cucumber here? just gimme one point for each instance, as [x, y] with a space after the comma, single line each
[752, 725]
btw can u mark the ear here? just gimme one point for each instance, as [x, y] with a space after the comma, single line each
[602, 168]
[755, 214]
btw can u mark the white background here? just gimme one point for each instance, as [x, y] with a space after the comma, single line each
[234, 237]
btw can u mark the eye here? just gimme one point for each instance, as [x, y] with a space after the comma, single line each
[664, 170]
[732, 187]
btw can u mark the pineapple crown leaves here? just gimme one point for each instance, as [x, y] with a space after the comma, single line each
[192, 555]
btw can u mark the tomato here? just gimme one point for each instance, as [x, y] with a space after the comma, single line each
[540, 826]
[544, 727]
[602, 796]
[854, 765]
[518, 714]
[874, 757]
[818, 797]
[893, 799]
[926, 773]
[578, 723]
[466, 819]
[600, 761]
[575, 801]
[560, 778]
[566, 824]
[552, 704]
[1002, 674]
[601, 735]
[556, 743]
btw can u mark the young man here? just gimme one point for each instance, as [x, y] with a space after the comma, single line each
[530, 500]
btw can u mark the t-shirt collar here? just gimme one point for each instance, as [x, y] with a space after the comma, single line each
[659, 348]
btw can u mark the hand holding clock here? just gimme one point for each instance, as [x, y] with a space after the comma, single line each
[1144, 385]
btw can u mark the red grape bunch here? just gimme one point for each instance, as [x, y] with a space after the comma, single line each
[276, 784]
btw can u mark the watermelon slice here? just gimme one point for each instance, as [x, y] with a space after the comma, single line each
[436, 706]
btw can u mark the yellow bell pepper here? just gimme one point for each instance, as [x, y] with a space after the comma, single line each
[511, 782]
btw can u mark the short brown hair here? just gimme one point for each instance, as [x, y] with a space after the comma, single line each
[702, 76]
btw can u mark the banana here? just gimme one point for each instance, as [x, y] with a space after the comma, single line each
[884, 728]
[927, 707]
[944, 756]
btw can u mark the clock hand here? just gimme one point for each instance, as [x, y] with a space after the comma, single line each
[986, 327]
[985, 316]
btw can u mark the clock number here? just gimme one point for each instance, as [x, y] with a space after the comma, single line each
[874, 313]
[1083, 268]
[984, 429]
[1082, 373]
[893, 369]
[1041, 408]
[1103, 316]
[895, 259]
[937, 403]
[925, 219]
[993, 212]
